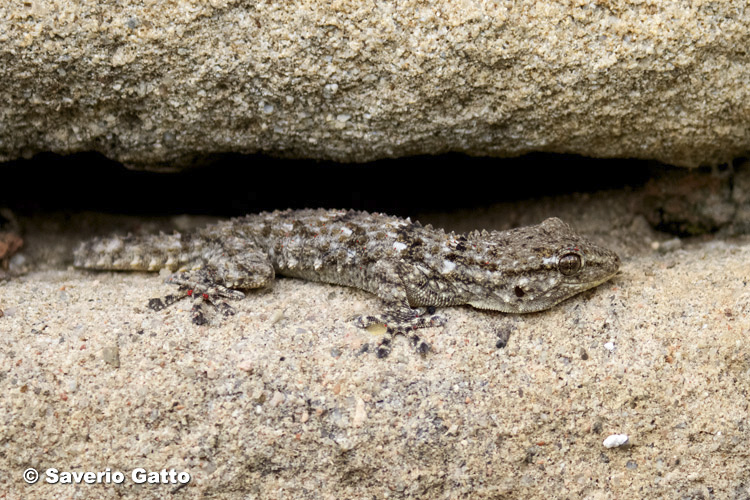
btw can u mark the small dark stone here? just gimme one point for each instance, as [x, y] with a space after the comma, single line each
[423, 348]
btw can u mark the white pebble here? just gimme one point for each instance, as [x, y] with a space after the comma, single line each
[615, 440]
[277, 399]
[610, 346]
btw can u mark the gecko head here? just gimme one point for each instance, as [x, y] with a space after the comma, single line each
[533, 268]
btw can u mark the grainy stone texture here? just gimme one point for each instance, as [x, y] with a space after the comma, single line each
[158, 83]
[276, 403]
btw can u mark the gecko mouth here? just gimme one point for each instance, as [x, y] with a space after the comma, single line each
[545, 300]
[596, 281]
[574, 288]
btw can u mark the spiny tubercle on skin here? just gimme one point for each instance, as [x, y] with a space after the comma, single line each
[406, 264]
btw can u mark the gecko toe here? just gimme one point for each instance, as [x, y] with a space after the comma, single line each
[366, 321]
[226, 309]
[363, 350]
[420, 346]
[199, 319]
[437, 321]
[156, 304]
[384, 349]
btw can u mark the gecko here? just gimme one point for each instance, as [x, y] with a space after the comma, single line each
[411, 267]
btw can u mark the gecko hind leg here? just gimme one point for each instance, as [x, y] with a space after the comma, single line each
[239, 268]
[204, 288]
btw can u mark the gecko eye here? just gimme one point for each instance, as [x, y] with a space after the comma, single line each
[569, 264]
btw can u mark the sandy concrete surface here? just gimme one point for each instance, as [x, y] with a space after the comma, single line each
[279, 401]
[152, 83]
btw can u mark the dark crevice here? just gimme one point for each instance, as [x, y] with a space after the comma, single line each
[232, 184]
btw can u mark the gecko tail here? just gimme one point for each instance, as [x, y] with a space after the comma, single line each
[133, 253]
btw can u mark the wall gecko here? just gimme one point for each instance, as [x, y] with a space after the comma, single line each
[412, 268]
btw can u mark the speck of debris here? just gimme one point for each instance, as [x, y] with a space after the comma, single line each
[111, 356]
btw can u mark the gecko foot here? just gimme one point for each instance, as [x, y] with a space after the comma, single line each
[204, 291]
[401, 323]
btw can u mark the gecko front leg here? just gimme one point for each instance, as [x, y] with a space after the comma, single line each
[400, 315]
[404, 320]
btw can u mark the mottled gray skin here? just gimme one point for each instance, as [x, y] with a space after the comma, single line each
[406, 264]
